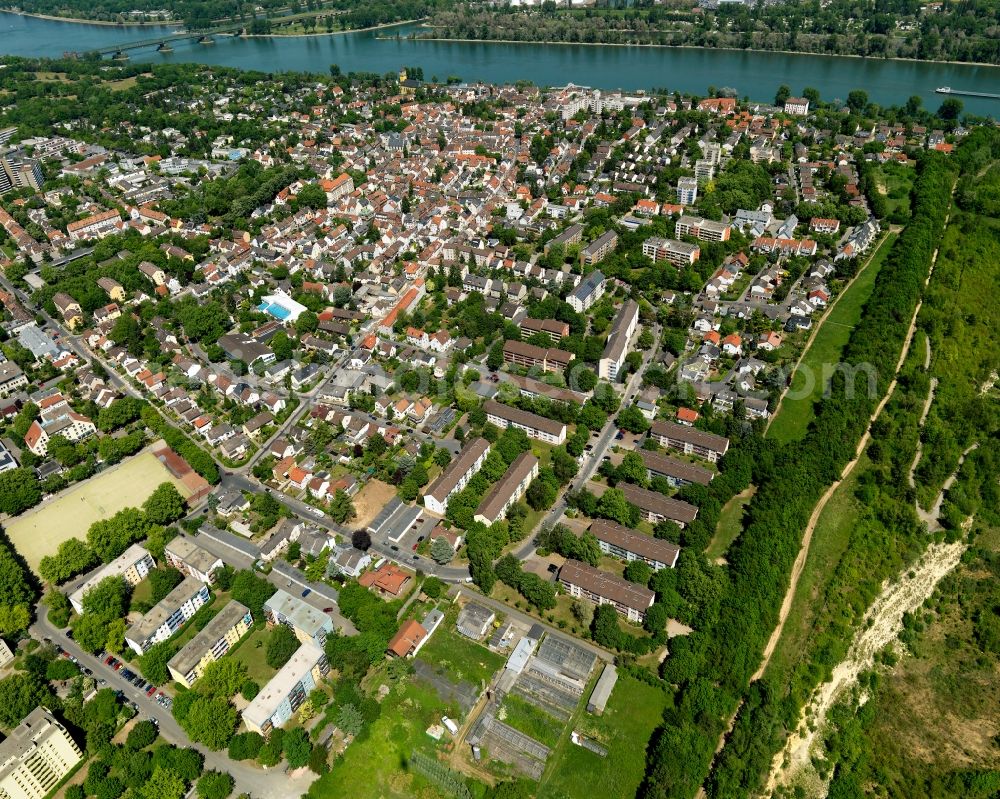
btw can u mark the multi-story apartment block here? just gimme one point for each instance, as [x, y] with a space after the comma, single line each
[571, 235]
[167, 616]
[192, 560]
[287, 690]
[797, 106]
[599, 249]
[687, 191]
[625, 544]
[308, 623]
[537, 427]
[629, 599]
[38, 753]
[508, 490]
[704, 171]
[655, 507]
[704, 229]
[678, 473]
[56, 417]
[11, 378]
[217, 638]
[589, 291]
[679, 253]
[133, 565]
[17, 172]
[95, 227]
[528, 356]
[689, 440]
[616, 348]
[553, 328]
[456, 475]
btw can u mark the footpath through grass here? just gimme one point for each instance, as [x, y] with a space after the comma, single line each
[809, 381]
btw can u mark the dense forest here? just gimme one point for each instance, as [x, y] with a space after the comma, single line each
[963, 31]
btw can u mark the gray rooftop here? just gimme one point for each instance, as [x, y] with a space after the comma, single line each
[195, 649]
[164, 609]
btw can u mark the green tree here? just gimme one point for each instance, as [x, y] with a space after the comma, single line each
[73, 557]
[163, 784]
[632, 469]
[164, 505]
[342, 508]
[142, 734]
[209, 720]
[215, 785]
[613, 505]
[632, 420]
[297, 748]
[19, 490]
[20, 693]
[245, 745]
[222, 678]
[638, 571]
[349, 720]
[441, 550]
[281, 646]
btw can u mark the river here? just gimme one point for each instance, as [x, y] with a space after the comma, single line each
[756, 74]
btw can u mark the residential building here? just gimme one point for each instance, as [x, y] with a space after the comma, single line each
[571, 235]
[629, 599]
[587, 292]
[287, 690]
[797, 106]
[537, 427]
[210, 644]
[553, 328]
[689, 440]
[699, 228]
[18, 172]
[56, 417]
[68, 308]
[474, 621]
[456, 475]
[167, 616]
[528, 356]
[388, 580]
[598, 250]
[38, 753]
[95, 227]
[678, 473]
[192, 560]
[617, 346]
[625, 544]
[655, 507]
[11, 378]
[508, 489]
[133, 565]
[309, 624]
[6, 656]
[687, 191]
[407, 640]
[679, 253]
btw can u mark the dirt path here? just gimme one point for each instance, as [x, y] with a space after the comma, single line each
[932, 517]
[923, 417]
[881, 626]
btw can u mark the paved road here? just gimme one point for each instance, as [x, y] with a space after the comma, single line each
[260, 784]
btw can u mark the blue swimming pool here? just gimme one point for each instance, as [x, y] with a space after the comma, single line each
[277, 311]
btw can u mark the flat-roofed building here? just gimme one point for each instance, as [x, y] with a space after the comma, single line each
[689, 440]
[36, 755]
[587, 292]
[602, 691]
[133, 565]
[508, 489]
[287, 690]
[625, 544]
[679, 253]
[167, 616]
[599, 249]
[456, 475]
[309, 624]
[655, 507]
[217, 638]
[629, 599]
[537, 427]
[571, 235]
[616, 348]
[529, 387]
[192, 560]
[678, 473]
[699, 228]
[687, 191]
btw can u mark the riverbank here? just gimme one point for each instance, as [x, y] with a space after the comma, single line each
[383, 26]
[698, 47]
[103, 23]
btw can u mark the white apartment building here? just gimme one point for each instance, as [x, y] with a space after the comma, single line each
[36, 756]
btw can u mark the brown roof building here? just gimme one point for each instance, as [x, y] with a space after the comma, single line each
[689, 440]
[657, 508]
[407, 640]
[677, 472]
[456, 475]
[508, 489]
[625, 544]
[629, 599]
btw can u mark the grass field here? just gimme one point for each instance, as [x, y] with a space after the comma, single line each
[464, 659]
[252, 652]
[797, 408]
[530, 719]
[633, 713]
[69, 515]
[374, 766]
[730, 524]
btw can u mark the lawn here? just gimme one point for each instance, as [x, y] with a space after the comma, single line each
[730, 524]
[634, 711]
[374, 766]
[809, 381]
[252, 651]
[463, 658]
[69, 515]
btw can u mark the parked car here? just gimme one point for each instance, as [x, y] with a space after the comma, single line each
[307, 592]
[151, 690]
